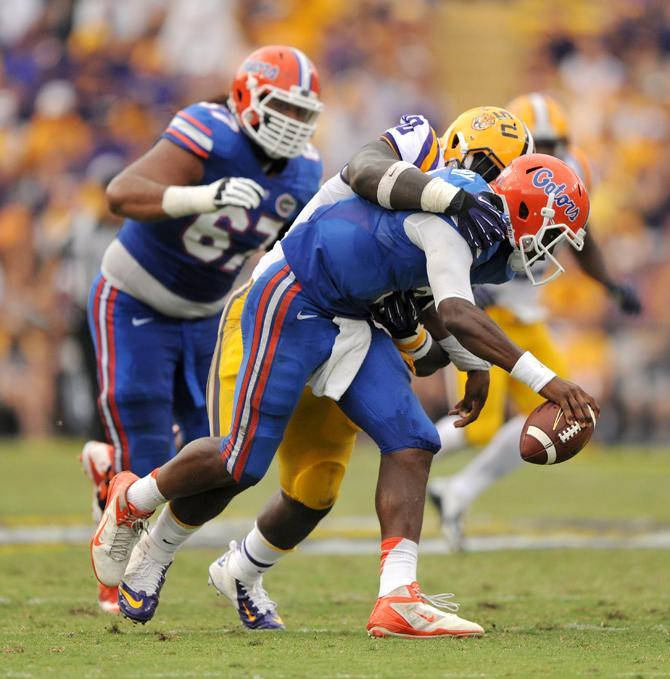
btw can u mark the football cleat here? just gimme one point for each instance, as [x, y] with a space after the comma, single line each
[117, 533]
[142, 582]
[407, 612]
[255, 608]
[452, 512]
[108, 599]
[97, 462]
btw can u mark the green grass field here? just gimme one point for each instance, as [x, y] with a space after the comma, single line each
[552, 613]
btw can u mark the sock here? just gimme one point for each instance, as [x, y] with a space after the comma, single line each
[253, 556]
[451, 438]
[144, 494]
[169, 533]
[499, 458]
[398, 564]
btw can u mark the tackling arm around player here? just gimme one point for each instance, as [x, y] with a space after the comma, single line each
[291, 329]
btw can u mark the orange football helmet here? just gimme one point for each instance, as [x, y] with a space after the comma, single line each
[547, 204]
[275, 98]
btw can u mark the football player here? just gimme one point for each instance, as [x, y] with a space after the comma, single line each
[306, 319]
[318, 441]
[222, 181]
[516, 308]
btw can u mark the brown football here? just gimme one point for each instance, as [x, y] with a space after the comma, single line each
[547, 438]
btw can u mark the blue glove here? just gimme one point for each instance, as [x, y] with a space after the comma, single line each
[480, 218]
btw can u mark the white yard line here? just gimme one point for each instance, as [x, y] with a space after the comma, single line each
[346, 537]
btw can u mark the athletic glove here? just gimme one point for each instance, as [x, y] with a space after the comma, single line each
[480, 217]
[626, 297]
[182, 201]
[239, 191]
[398, 313]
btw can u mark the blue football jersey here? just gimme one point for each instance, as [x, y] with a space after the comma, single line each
[349, 254]
[198, 257]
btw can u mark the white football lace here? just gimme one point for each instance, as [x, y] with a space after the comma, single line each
[144, 573]
[125, 539]
[441, 601]
[260, 598]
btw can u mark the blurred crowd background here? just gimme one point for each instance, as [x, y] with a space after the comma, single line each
[88, 85]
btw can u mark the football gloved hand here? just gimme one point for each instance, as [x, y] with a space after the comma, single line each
[239, 191]
[398, 313]
[627, 298]
[480, 217]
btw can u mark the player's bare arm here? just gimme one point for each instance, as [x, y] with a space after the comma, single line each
[592, 263]
[165, 183]
[482, 336]
[377, 174]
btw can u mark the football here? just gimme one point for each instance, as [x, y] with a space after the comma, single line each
[547, 438]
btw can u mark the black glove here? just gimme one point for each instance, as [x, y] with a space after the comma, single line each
[398, 313]
[480, 217]
[484, 296]
[626, 297]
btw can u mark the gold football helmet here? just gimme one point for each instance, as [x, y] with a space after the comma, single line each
[485, 140]
[546, 120]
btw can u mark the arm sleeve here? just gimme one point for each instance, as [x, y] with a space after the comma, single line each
[191, 129]
[448, 257]
[416, 142]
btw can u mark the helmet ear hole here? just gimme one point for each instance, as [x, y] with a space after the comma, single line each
[523, 210]
[454, 141]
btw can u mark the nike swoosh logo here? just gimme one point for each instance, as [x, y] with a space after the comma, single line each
[141, 321]
[427, 618]
[250, 616]
[302, 316]
[96, 537]
[131, 601]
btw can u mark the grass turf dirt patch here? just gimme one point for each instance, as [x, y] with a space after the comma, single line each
[547, 614]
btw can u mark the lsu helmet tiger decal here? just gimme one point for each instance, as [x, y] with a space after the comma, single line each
[485, 140]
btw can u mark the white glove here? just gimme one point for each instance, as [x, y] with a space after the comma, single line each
[240, 191]
[181, 201]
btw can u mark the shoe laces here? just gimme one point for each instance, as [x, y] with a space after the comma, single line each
[124, 540]
[255, 590]
[259, 597]
[441, 601]
[144, 572]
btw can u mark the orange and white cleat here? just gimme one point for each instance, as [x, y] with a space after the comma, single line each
[97, 462]
[407, 612]
[108, 599]
[117, 533]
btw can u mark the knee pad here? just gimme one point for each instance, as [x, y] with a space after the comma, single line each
[317, 486]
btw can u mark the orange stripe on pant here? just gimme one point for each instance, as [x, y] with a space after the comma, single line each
[262, 307]
[259, 390]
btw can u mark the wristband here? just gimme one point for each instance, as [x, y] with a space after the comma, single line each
[532, 372]
[437, 195]
[388, 180]
[181, 201]
[416, 346]
[463, 359]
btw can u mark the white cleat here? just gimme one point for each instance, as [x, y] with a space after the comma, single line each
[408, 612]
[117, 533]
[97, 462]
[253, 605]
[442, 494]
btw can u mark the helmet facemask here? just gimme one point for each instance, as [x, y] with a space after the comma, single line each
[280, 134]
[538, 248]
